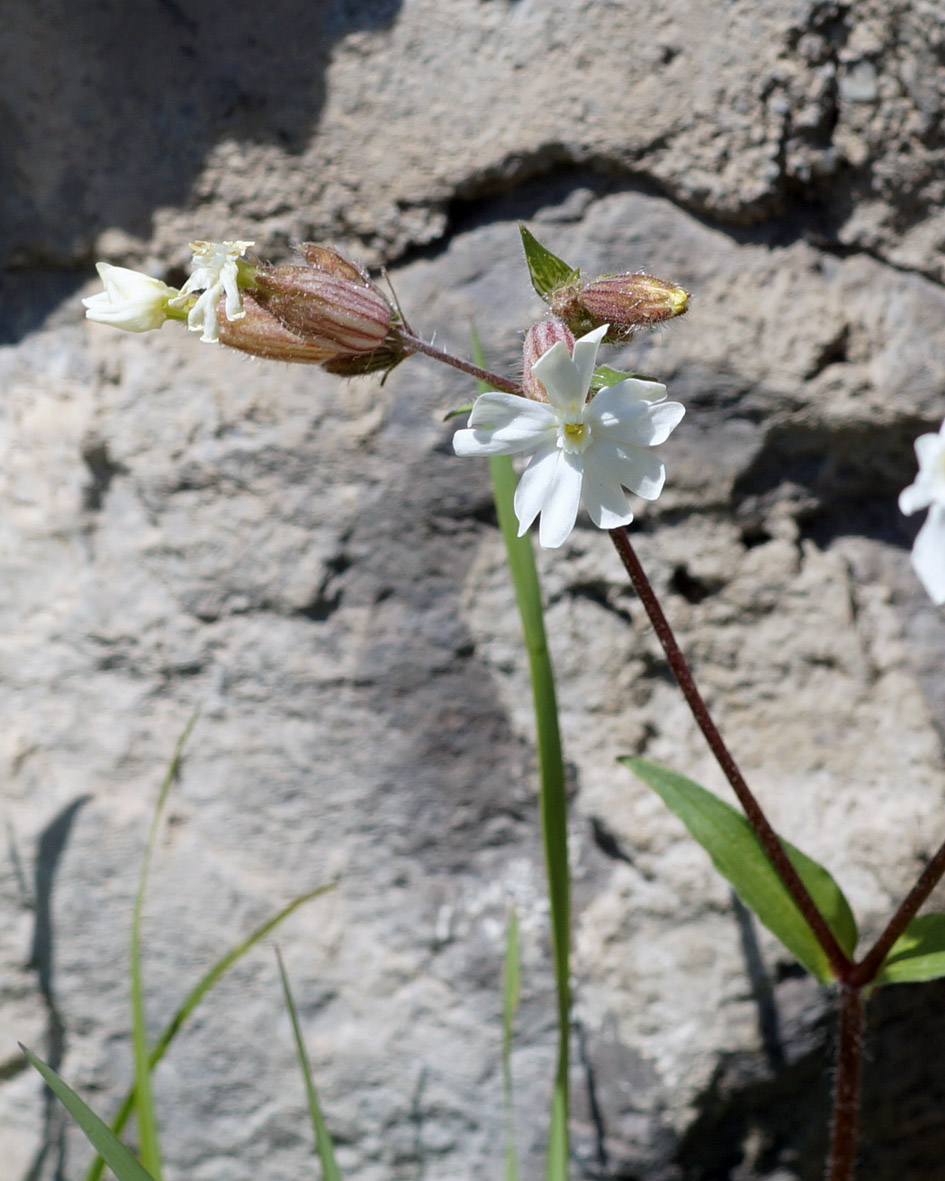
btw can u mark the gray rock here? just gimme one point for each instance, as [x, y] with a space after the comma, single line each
[306, 561]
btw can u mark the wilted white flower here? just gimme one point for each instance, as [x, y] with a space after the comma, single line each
[216, 272]
[928, 491]
[591, 449]
[131, 300]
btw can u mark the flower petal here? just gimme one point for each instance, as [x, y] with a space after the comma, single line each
[632, 467]
[505, 424]
[928, 554]
[604, 499]
[550, 485]
[584, 356]
[557, 373]
[645, 424]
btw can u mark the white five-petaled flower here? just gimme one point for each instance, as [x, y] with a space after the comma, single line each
[215, 273]
[579, 447]
[131, 300]
[928, 491]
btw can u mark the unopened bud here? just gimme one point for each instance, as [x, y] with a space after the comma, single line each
[329, 300]
[262, 334]
[628, 302]
[538, 340]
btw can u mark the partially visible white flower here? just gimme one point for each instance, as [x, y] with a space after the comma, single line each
[928, 491]
[216, 272]
[579, 448]
[131, 300]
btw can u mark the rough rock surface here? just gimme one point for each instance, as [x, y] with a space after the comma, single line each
[307, 562]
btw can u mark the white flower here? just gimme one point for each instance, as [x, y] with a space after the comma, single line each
[579, 448]
[215, 273]
[928, 491]
[130, 300]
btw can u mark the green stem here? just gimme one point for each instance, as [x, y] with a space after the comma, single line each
[552, 794]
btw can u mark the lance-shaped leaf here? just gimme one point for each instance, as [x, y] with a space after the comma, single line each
[546, 270]
[102, 1139]
[739, 857]
[918, 953]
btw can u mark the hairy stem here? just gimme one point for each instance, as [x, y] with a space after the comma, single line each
[493, 380]
[840, 962]
[844, 1125]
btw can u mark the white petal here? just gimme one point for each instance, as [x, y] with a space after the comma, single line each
[913, 498]
[551, 485]
[557, 373]
[619, 398]
[605, 500]
[635, 468]
[584, 356]
[643, 423]
[928, 554]
[560, 509]
[504, 424]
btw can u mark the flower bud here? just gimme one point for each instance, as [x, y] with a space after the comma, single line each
[329, 299]
[538, 340]
[262, 334]
[626, 302]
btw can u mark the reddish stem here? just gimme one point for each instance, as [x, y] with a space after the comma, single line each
[493, 380]
[840, 962]
[844, 1126]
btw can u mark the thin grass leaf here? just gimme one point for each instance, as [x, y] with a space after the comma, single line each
[193, 999]
[737, 854]
[511, 991]
[102, 1139]
[326, 1151]
[552, 789]
[150, 1147]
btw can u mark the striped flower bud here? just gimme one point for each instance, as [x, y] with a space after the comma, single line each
[625, 302]
[328, 299]
[538, 340]
[259, 332]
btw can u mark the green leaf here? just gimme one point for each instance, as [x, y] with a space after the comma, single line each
[102, 1139]
[458, 411]
[326, 1151]
[918, 953]
[511, 992]
[144, 1100]
[738, 856]
[603, 376]
[192, 1000]
[546, 270]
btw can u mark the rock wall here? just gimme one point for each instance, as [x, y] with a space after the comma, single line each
[306, 561]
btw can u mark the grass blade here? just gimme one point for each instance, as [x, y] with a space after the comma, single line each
[102, 1139]
[144, 1100]
[192, 1000]
[511, 991]
[326, 1151]
[552, 789]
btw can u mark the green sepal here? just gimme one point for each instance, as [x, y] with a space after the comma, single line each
[99, 1135]
[738, 856]
[604, 376]
[918, 953]
[546, 271]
